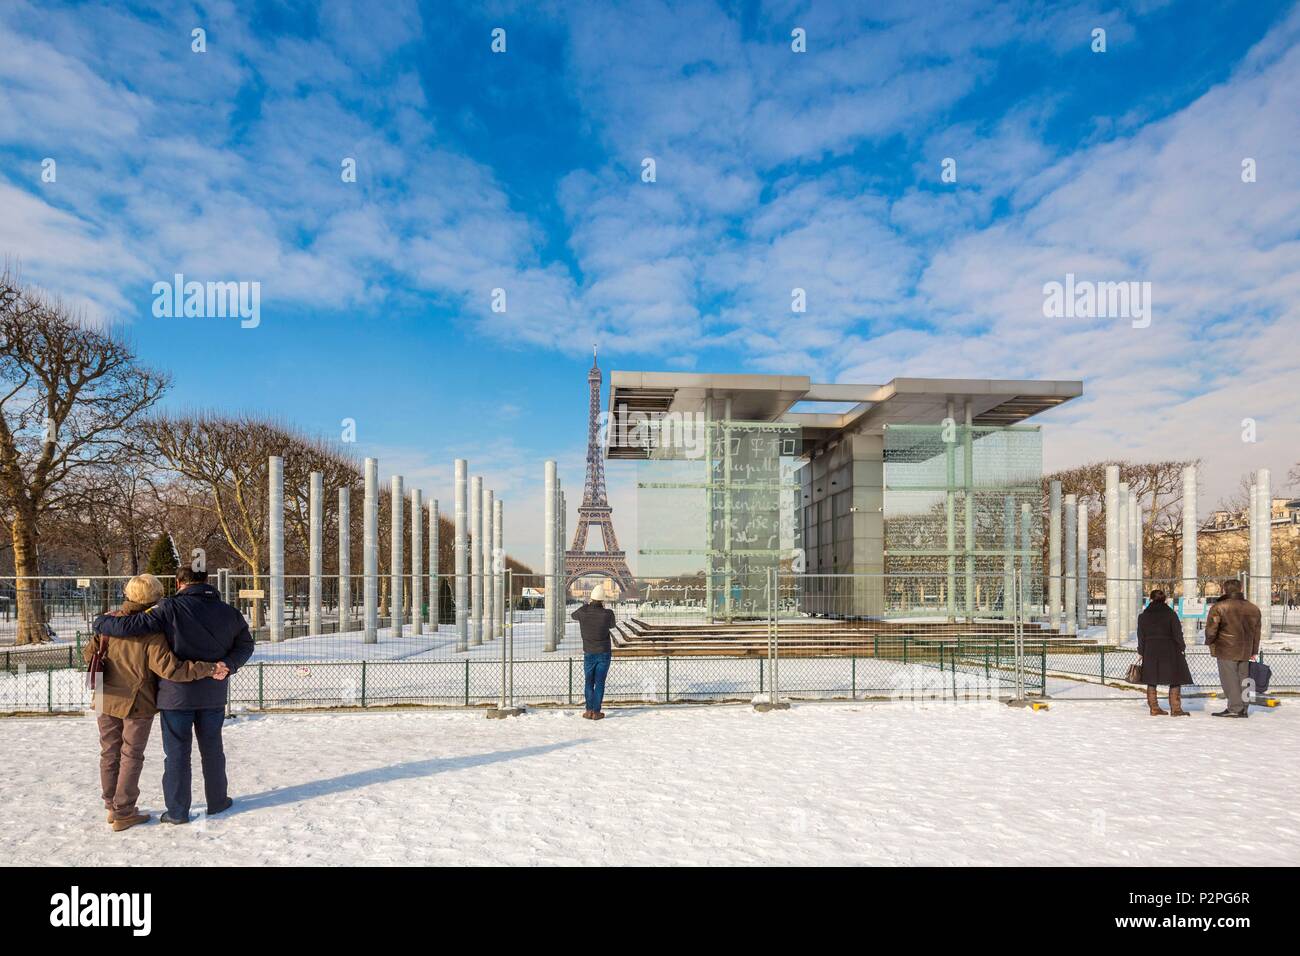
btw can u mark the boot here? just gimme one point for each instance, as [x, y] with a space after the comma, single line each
[1154, 704]
[1176, 702]
[127, 822]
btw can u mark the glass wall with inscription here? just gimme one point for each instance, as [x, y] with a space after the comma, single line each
[963, 513]
[720, 506]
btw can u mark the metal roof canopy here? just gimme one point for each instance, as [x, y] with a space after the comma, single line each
[768, 398]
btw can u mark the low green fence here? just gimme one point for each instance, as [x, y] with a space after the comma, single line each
[899, 670]
[911, 672]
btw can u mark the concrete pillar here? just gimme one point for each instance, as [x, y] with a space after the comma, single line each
[489, 589]
[1191, 584]
[1263, 478]
[1135, 549]
[462, 555]
[395, 590]
[476, 561]
[315, 544]
[950, 508]
[417, 563]
[435, 583]
[275, 469]
[1111, 514]
[370, 553]
[1009, 558]
[1054, 555]
[1252, 551]
[1123, 582]
[498, 572]
[548, 557]
[562, 565]
[345, 559]
[1081, 564]
[1069, 581]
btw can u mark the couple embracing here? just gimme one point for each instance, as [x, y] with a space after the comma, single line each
[170, 655]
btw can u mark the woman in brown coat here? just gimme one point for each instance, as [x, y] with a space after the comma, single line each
[1163, 652]
[125, 695]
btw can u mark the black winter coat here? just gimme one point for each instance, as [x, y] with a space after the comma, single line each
[595, 621]
[199, 626]
[1160, 642]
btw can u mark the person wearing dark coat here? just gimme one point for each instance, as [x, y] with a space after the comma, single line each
[199, 626]
[1163, 653]
[595, 621]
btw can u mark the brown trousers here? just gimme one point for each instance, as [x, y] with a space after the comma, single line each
[121, 758]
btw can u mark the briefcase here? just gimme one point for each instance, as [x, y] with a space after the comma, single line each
[1260, 674]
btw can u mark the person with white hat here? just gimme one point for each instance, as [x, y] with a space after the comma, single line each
[595, 621]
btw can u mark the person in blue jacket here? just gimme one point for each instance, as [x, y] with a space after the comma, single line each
[199, 626]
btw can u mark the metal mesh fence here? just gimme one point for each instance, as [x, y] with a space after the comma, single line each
[819, 636]
[890, 635]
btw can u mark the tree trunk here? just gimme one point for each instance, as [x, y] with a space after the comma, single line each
[105, 597]
[27, 586]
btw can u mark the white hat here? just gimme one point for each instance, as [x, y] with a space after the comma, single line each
[598, 593]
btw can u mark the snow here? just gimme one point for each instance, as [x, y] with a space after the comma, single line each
[1086, 782]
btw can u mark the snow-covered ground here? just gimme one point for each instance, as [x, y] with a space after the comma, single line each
[889, 783]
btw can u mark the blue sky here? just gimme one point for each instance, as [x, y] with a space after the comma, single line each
[775, 170]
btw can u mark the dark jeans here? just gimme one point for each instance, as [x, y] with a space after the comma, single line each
[179, 729]
[595, 667]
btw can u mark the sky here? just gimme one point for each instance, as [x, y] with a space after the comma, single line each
[524, 171]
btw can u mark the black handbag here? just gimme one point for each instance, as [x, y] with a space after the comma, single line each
[1260, 674]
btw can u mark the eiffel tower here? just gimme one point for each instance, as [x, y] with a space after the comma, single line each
[595, 511]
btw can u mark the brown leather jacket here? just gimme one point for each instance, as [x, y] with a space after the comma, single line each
[1232, 629]
[130, 687]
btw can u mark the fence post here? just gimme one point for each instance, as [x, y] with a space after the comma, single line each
[363, 683]
[570, 680]
[467, 680]
[668, 679]
[49, 688]
[1103, 663]
[853, 676]
[508, 650]
[776, 637]
[261, 684]
[499, 610]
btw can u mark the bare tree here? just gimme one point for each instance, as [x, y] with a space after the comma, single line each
[67, 392]
[226, 459]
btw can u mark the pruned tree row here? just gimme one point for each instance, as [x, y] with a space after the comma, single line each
[93, 476]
